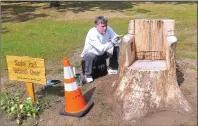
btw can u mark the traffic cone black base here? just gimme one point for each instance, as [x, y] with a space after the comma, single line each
[79, 114]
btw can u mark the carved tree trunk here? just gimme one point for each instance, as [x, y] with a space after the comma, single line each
[147, 79]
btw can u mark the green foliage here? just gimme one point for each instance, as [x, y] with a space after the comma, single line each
[29, 109]
[11, 104]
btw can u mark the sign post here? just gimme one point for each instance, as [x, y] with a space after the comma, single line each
[30, 90]
[27, 69]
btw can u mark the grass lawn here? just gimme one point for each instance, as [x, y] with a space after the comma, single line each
[51, 39]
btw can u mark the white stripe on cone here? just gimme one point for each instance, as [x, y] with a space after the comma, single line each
[71, 86]
[68, 73]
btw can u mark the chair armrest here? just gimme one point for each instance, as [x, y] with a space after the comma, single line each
[128, 41]
[171, 50]
[171, 39]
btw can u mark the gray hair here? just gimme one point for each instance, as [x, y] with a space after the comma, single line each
[101, 19]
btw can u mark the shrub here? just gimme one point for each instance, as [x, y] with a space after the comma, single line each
[11, 104]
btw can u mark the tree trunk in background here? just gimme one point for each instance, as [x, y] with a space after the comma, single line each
[148, 84]
[54, 4]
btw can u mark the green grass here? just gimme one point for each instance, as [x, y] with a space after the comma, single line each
[187, 46]
[51, 39]
[187, 55]
[42, 38]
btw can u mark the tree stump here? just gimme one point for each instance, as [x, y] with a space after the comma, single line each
[147, 80]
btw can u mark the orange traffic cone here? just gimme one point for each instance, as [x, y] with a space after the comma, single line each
[75, 104]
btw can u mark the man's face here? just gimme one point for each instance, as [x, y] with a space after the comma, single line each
[101, 28]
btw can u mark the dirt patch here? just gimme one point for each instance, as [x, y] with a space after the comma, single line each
[99, 92]
[105, 110]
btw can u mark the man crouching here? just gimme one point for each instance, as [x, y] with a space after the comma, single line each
[101, 41]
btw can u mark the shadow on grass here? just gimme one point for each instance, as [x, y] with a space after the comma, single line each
[176, 2]
[25, 11]
[81, 6]
[4, 30]
[19, 12]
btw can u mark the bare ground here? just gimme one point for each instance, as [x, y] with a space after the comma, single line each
[105, 110]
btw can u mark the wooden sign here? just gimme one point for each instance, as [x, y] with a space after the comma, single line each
[26, 69]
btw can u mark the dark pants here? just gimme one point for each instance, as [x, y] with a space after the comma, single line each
[91, 59]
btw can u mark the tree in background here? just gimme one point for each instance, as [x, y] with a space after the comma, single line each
[55, 4]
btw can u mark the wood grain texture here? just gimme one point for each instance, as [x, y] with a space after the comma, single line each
[26, 69]
[150, 37]
[148, 83]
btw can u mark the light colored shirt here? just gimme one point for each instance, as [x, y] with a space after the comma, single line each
[97, 43]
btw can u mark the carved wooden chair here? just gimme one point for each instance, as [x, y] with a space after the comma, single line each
[149, 41]
[147, 79]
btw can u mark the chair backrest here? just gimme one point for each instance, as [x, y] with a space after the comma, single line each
[150, 37]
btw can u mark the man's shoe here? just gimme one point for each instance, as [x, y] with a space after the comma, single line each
[111, 71]
[89, 79]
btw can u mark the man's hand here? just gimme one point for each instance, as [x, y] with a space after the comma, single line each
[108, 46]
[116, 40]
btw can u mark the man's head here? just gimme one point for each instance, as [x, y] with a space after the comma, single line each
[101, 24]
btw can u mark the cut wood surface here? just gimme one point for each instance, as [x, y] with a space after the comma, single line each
[147, 79]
